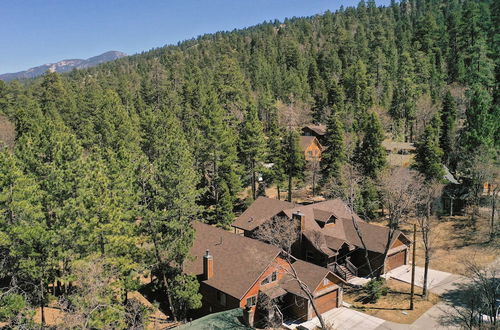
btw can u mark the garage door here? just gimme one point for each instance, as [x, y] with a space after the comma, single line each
[327, 301]
[395, 260]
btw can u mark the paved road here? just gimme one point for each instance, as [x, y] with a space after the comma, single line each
[440, 283]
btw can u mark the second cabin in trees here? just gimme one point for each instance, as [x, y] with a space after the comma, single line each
[311, 147]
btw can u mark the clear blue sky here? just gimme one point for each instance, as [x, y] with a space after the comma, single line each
[35, 32]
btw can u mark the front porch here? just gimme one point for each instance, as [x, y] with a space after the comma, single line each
[344, 268]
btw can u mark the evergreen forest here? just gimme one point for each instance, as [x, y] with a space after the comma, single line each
[107, 167]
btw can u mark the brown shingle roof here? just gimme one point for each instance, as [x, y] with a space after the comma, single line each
[322, 215]
[317, 239]
[238, 261]
[374, 236]
[312, 275]
[259, 212]
[334, 243]
[318, 129]
[306, 141]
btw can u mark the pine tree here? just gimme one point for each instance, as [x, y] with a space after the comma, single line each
[276, 157]
[55, 100]
[404, 100]
[219, 157]
[318, 91]
[252, 145]
[448, 125]
[224, 215]
[294, 162]
[169, 194]
[371, 154]
[26, 241]
[334, 156]
[481, 124]
[429, 155]
[359, 89]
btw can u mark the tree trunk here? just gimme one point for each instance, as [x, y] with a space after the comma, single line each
[425, 291]
[216, 189]
[42, 303]
[475, 213]
[279, 191]
[358, 231]
[289, 198]
[167, 287]
[390, 236]
[451, 206]
[425, 239]
[254, 189]
[412, 289]
[314, 182]
[306, 290]
[492, 220]
[162, 272]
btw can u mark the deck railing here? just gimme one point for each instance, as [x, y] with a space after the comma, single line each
[353, 269]
[337, 270]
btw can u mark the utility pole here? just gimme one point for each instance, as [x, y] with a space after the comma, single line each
[412, 292]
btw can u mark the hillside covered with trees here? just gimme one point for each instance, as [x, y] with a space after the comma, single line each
[111, 164]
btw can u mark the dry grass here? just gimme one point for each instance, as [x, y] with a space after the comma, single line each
[395, 305]
[455, 243]
[453, 239]
[53, 316]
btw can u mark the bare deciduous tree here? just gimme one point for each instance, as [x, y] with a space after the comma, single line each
[283, 233]
[430, 193]
[348, 188]
[96, 300]
[312, 167]
[477, 301]
[401, 191]
[354, 178]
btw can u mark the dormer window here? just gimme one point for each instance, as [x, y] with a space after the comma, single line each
[331, 220]
[324, 218]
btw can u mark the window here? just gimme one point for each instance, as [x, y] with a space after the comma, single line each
[251, 301]
[310, 153]
[221, 298]
[269, 279]
[326, 281]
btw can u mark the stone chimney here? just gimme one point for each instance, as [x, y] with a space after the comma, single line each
[208, 265]
[301, 218]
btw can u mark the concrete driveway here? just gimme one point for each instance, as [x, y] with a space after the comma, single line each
[343, 319]
[438, 282]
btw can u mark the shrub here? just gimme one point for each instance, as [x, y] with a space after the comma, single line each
[375, 289]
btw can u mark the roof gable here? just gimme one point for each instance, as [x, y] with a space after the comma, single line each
[259, 212]
[318, 129]
[312, 275]
[374, 236]
[238, 261]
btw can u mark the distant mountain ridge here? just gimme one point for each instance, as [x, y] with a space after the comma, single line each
[63, 66]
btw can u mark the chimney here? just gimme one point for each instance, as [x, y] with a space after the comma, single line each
[208, 265]
[249, 316]
[301, 219]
